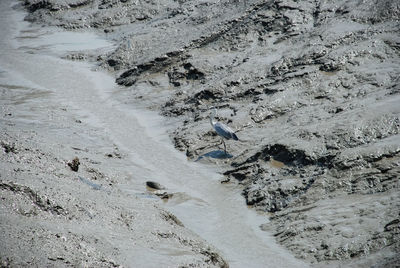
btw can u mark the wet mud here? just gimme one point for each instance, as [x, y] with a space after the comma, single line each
[63, 181]
[311, 87]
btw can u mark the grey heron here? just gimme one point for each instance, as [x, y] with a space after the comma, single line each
[223, 130]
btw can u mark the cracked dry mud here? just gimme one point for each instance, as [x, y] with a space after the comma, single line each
[311, 86]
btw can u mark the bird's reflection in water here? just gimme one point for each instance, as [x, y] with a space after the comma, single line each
[219, 154]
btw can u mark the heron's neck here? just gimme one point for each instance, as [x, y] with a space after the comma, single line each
[213, 114]
[212, 120]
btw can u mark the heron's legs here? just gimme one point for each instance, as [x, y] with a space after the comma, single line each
[224, 145]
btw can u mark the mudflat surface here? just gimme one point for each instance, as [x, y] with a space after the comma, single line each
[312, 88]
[90, 180]
[69, 196]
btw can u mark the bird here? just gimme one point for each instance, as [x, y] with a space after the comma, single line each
[223, 130]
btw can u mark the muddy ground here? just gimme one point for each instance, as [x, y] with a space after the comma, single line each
[62, 203]
[312, 88]
[66, 195]
[62, 199]
[55, 217]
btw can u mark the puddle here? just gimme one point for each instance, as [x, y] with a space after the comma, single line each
[60, 42]
[329, 73]
[6, 86]
[275, 163]
[181, 197]
[217, 154]
[93, 185]
[30, 96]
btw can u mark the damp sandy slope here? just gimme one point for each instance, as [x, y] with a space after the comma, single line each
[103, 215]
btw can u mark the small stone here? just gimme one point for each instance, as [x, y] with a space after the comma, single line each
[74, 164]
[154, 185]
[8, 148]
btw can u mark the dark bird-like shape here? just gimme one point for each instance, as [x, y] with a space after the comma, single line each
[223, 130]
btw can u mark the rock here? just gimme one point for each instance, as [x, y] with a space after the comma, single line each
[112, 62]
[154, 185]
[8, 148]
[74, 164]
[163, 195]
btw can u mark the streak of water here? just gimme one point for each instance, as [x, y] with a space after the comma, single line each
[216, 212]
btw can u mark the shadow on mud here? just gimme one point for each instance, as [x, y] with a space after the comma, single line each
[219, 154]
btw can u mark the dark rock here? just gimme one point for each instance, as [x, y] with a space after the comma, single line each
[43, 4]
[155, 185]
[192, 72]
[394, 224]
[206, 95]
[8, 148]
[74, 164]
[112, 62]
[282, 153]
